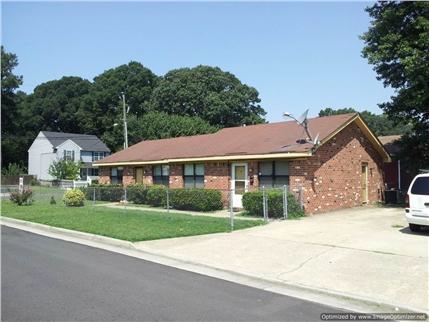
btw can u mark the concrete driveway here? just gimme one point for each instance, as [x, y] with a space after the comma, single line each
[368, 253]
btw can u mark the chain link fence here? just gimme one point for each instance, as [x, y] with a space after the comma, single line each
[264, 203]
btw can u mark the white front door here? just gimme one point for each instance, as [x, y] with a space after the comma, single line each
[239, 183]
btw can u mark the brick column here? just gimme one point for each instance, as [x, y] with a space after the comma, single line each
[128, 176]
[253, 175]
[176, 176]
[147, 175]
[216, 176]
[104, 175]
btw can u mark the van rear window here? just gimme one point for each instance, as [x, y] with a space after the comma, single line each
[421, 186]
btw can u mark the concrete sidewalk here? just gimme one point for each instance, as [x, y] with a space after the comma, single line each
[224, 213]
[366, 253]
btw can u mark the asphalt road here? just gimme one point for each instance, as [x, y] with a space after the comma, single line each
[50, 279]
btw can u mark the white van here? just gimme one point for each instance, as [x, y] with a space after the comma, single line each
[417, 208]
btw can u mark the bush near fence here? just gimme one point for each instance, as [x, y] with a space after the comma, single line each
[111, 192]
[253, 204]
[74, 198]
[137, 193]
[181, 198]
[196, 199]
[156, 195]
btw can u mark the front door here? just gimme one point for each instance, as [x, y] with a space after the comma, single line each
[139, 175]
[364, 183]
[238, 183]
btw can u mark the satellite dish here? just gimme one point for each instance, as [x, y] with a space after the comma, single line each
[316, 139]
[303, 118]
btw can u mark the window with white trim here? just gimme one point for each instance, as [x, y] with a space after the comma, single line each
[97, 156]
[68, 155]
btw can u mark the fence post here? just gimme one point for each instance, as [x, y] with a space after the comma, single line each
[168, 200]
[231, 210]
[125, 197]
[285, 210]
[264, 204]
[93, 196]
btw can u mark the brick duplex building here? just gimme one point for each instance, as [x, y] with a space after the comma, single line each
[343, 170]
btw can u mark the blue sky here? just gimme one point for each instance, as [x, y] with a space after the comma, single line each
[298, 55]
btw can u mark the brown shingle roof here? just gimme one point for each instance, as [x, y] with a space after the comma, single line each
[267, 138]
[390, 143]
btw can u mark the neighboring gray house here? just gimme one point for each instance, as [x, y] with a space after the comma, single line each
[52, 146]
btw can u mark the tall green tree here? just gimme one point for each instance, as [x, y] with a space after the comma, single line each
[330, 111]
[10, 125]
[56, 106]
[209, 93]
[397, 44]
[157, 125]
[104, 102]
[379, 124]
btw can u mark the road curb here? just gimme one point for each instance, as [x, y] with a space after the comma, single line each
[67, 232]
[336, 299]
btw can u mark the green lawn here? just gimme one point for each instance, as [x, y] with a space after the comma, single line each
[131, 225]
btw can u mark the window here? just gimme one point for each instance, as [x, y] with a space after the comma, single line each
[116, 175]
[421, 186]
[161, 174]
[193, 175]
[68, 155]
[273, 174]
[97, 156]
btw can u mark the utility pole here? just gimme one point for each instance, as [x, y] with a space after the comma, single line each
[125, 121]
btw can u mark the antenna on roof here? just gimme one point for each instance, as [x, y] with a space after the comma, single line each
[303, 118]
[303, 121]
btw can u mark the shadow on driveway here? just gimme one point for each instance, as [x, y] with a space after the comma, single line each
[424, 231]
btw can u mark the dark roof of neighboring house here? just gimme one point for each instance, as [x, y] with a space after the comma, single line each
[85, 141]
[390, 143]
[254, 140]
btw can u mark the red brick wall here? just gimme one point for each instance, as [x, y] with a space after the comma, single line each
[176, 175]
[147, 175]
[253, 175]
[217, 176]
[128, 176]
[331, 179]
[104, 175]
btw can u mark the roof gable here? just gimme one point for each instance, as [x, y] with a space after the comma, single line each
[69, 141]
[85, 141]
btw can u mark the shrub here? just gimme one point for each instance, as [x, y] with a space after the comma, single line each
[137, 193]
[104, 192]
[65, 169]
[34, 182]
[74, 198]
[196, 199]
[52, 201]
[14, 169]
[252, 202]
[156, 196]
[21, 198]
